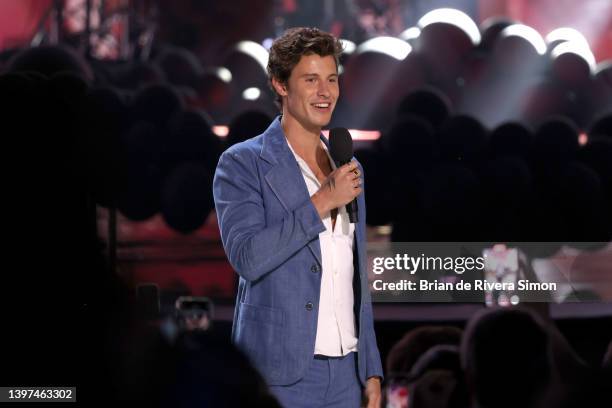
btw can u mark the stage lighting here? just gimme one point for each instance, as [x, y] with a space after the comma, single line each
[563, 34]
[410, 34]
[251, 94]
[267, 43]
[528, 34]
[254, 50]
[491, 29]
[221, 131]
[603, 73]
[575, 48]
[348, 47]
[360, 135]
[453, 17]
[224, 74]
[391, 46]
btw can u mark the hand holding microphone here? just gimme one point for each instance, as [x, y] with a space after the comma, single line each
[340, 188]
[343, 185]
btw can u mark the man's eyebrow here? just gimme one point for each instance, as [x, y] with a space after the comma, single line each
[316, 75]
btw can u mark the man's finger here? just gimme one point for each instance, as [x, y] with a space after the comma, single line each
[351, 166]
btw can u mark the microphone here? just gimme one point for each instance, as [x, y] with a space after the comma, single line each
[341, 150]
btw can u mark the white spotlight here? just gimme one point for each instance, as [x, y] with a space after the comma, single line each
[567, 34]
[256, 51]
[267, 43]
[391, 46]
[224, 74]
[348, 47]
[454, 17]
[575, 48]
[251, 94]
[528, 34]
[410, 34]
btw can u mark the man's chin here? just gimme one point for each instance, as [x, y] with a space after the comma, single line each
[324, 123]
[323, 120]
[314, 121]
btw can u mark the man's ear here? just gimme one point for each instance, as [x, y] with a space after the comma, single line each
[279, 87]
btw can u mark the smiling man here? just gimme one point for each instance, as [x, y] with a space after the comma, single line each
[303, 310]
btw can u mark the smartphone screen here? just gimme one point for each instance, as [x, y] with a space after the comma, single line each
[501, 276]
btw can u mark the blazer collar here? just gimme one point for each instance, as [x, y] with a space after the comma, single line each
[284, 177]
[275, 146]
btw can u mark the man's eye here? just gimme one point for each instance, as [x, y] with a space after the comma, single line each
[332, 79]
[310, 80]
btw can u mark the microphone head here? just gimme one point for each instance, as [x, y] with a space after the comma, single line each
[340, 145]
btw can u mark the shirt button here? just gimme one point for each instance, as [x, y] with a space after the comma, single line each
[314, 268]
[308, 306]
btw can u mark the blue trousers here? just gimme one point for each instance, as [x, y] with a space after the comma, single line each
[329, 382]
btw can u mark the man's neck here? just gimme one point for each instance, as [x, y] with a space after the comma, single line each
[305, 142]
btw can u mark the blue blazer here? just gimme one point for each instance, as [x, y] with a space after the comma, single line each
[270, 232]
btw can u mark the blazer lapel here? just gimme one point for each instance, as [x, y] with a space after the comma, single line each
[284, 177]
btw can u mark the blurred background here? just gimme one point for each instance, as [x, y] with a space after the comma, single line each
[475, 120]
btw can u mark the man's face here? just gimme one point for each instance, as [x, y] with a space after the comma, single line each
[311, 92]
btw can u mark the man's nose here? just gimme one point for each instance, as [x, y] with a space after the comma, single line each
[323, 89]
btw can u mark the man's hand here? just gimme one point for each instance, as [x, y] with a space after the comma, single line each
[340, 188]
[373, 393]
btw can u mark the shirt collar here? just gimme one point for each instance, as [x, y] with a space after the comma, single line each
[306, 170]
[300, 160]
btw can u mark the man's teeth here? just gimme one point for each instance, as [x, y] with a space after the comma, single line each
[322, 105]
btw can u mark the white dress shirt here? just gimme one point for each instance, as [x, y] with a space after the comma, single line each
[336, 321]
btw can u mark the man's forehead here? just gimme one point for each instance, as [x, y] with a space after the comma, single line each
[316, 65]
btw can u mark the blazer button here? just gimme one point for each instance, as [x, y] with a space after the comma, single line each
[314, 268]
[309, 306]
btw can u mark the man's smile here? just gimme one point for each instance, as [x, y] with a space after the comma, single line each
[322, 106]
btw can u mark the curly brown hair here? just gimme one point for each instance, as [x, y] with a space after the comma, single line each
[287, 50]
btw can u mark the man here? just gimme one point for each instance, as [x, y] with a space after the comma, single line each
[303, 310]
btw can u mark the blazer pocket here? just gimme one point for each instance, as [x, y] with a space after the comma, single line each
[261, 337]
[261, 314]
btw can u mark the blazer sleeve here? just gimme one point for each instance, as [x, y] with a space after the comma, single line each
[252, 247]
[373, 361]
